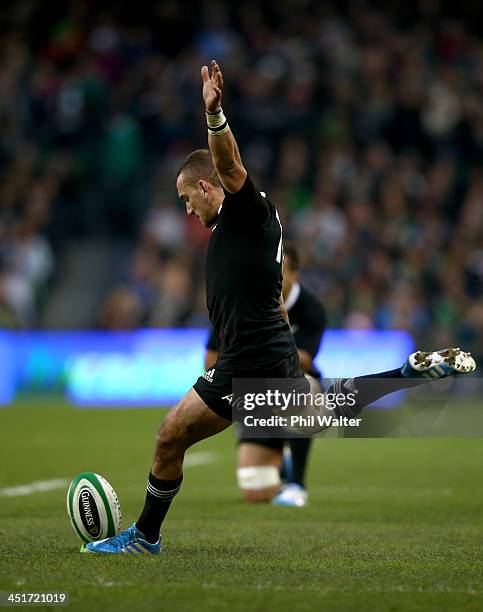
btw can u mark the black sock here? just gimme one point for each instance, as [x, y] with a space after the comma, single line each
[300, 451]
[367, 392]
[159, 496]
[286, 469]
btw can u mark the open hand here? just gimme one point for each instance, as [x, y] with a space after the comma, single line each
[212, 87]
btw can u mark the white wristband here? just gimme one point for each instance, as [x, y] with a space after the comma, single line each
[217, 123]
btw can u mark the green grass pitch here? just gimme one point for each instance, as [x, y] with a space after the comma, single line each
[393, 524]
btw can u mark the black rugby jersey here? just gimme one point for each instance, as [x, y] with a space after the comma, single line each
[244, 281]
[307, 321]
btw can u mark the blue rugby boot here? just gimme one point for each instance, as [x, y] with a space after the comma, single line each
[130, 541]
[291, 494]
[438, 364]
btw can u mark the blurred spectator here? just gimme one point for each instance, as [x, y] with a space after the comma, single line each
[364, 125]
[121, 310]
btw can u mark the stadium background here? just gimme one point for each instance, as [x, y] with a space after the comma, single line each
[364, 122]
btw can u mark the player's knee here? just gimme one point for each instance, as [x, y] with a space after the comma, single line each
[258, 484]
[263, 496]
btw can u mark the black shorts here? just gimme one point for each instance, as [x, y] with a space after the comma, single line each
[215, 386]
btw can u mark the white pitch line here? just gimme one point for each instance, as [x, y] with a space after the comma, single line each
[40, 486]
[200, 458]
[43, 486]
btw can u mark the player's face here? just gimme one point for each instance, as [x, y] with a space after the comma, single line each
[201, 199]
[289, 277]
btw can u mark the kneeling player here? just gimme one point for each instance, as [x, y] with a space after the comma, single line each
[262, 463]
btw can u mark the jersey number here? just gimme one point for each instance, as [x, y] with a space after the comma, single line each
[279, 249]
[278, 258]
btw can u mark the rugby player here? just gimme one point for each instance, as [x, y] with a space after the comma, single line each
[260, 460]
[243, 290]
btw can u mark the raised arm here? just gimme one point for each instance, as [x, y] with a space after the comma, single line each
[222, 143]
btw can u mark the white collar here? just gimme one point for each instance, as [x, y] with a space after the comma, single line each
[293, 296]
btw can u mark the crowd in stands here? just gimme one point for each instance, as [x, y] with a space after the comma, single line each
[364, 124]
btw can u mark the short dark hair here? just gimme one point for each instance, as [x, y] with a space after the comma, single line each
[290, 251]
[199, 165]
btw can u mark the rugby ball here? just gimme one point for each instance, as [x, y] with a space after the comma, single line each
[93, 507]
